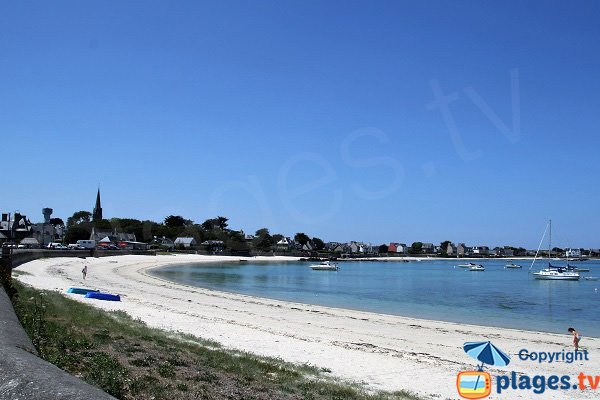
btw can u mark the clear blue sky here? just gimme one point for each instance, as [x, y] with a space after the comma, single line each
[313, 116]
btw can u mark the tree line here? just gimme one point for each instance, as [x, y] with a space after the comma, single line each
[79, 227]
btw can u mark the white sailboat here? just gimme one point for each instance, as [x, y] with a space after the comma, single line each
[553, 273]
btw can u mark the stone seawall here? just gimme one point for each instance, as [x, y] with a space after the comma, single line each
[20, 257]
[23, 375]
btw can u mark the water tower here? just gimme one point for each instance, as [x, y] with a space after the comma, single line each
[47, 213]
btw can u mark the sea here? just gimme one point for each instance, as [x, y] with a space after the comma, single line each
[429, 289]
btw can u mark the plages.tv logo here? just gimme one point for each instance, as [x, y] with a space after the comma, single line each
[478, 384]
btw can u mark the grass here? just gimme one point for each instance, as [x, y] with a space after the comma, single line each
[17, 272]
[129, 360]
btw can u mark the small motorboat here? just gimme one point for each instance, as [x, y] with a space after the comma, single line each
[467, 265]
[477, 268]
[325, 266]
[512, 266]
[590, 278]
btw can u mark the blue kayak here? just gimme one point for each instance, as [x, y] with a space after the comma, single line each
[103, 296]
[76, 290]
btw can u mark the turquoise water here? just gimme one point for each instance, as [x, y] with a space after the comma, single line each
[427, 289]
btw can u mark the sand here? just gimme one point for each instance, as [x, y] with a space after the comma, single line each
[378, 351]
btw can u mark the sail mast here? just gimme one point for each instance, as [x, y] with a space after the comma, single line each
[550, 240]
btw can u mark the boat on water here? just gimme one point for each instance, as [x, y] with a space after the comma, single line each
[467, 265]
[590, 278]
[512, 266]
[477, 268]
[554, 273]
[577, 269]
[325, 266]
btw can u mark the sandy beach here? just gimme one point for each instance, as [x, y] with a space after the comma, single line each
[380, 351]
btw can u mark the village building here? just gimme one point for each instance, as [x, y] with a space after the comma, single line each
[186, 242]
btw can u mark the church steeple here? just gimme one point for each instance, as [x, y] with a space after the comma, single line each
[97, 215]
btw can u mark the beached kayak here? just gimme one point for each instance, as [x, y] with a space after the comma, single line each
[103, 296]
[76, 290]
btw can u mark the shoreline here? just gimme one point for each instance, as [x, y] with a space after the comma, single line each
[381, 351]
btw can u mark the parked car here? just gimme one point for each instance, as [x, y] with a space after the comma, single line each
[75, 246]
[57, 246]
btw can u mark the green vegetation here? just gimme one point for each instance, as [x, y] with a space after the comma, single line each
[416, 248]
[444, 248]
[128, 360]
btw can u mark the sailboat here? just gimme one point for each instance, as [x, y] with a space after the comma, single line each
[553, 273]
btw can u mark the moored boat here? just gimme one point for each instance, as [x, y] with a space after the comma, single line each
[467, 265]
[324, 266]
[553, 273]
[477, 268]
[512, 266]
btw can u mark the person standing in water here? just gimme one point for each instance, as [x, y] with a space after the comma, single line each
[576, 338]
[84, 271]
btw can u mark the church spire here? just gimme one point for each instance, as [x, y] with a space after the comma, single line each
[97, 215]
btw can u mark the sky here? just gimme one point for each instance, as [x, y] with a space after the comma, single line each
[385, 121]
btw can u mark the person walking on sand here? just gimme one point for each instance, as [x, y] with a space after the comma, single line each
[84, 271]
[576, 338]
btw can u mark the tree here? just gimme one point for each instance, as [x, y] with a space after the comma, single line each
[175, 221]
[416, 248]
[236, 241]
[301, 238]
[103, 225]
[262, 232]
[557, 250]
[209, 224]
[79, 217]
[130, 225]
[77, 232]
[57, 222]
[444, 248]
[194, 231]
[382, 249]
[277, 237]
[263, 240]
[318, 244]
[222, 223]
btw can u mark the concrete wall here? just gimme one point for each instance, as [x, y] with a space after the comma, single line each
[23, 375]
[20, 257]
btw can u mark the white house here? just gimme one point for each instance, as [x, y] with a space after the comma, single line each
[573, 253]
[284, 244]
[163, 242]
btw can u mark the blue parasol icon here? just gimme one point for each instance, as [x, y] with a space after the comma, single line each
[487, 353]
